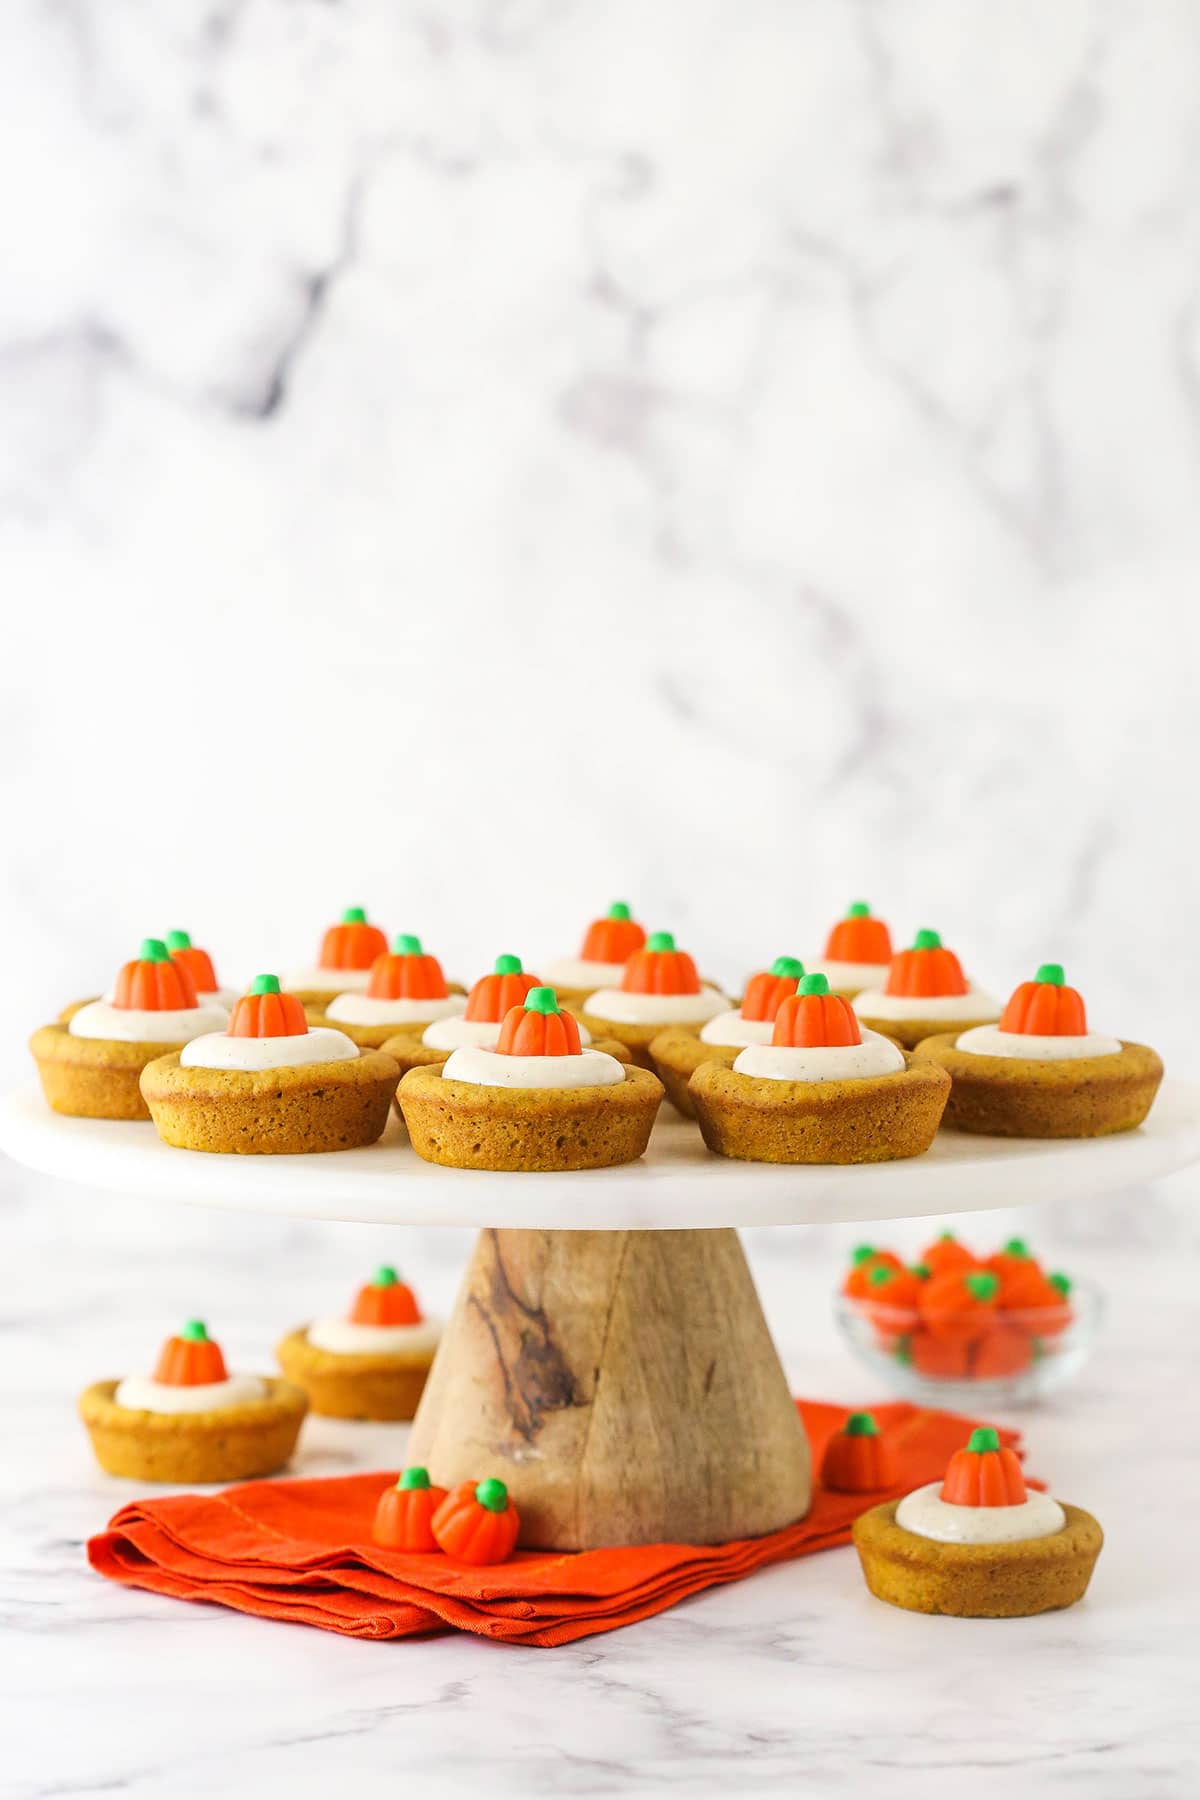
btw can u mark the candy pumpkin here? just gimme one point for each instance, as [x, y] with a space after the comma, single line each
[659, 968]
[153, 983]
[494, 994]
[197, 962]
[985, 1473]
[352, 944]
[265, 1012]
[538, 1027]
[946, 1253]
[958, 1306]
[814, 1017]
[858, 1459]
[925, 971]
[941, 1359]
[859, 938]
[192, 1359]
[863, 1259]
[614, 938]
[385, 1300]
[477, 1523]
[1046, 1006]
[1022, 1281]
[891, 1301]
[1049, 1313]
[407, 972]
[1004, 1351]
[769, 988]
[404, 1514]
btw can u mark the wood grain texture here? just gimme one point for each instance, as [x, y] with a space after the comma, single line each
[623, 1383]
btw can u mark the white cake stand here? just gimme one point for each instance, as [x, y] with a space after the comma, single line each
[607, 1352]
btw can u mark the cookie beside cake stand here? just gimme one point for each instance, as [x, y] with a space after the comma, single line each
[607, 1352]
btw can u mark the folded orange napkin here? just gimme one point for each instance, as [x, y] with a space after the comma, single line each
[302, 1551]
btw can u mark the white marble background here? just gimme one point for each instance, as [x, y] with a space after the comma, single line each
[478, 459]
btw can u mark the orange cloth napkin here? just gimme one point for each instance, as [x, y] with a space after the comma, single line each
[302, 1551]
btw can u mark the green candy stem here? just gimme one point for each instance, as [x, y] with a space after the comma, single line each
[541, 1000]
[265, 984]
[921, 1271]
[881, 1274]
[862, 1253]
[619, 910]
[384, 1276]
[858, 909]
[1016, 1247]
[179, 940]
[508, 965]
[981, 1284]
[983, 1439]
[1051, 975]
[153, 950]
[661, 940]
[947, 1237]
[789, 967]
[416, 1477]
[354, 915]
[492, 1494]
[927, 940]
[405, 944]
[813, 984]
[195, 1331]
[1062, 1283]
[860, 1425]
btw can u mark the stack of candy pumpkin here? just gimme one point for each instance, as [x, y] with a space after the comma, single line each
[955, 1316]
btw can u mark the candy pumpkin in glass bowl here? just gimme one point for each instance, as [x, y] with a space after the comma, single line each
[91, 1065]
[1040, 1072]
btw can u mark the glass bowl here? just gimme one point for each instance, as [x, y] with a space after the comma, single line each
[1020, 1356]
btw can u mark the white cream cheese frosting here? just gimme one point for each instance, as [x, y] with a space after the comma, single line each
[326, 981]
[130, 1025]
[989, 1040]
[655, 1009]
[367, 1009]
[876, 1055]
[874, 1003]
[454, 1034]
[141, 1393]
[730, 1030]
[927, 1515]
[842, 976]
[217, 1050]
[346, 1337]
[577, 972]
[489, 1068]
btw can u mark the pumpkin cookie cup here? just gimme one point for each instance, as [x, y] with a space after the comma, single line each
[678, 1052]
[371, 1365]
[270, 1086]
[192, 1421]
[925, 992]
[91, 1066]
[820, 1092]
[660, 988]
[539, 1101]
[1041, 1073]
[978, 1545]
[608, 943]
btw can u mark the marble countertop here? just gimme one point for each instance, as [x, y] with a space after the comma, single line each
[795, 1682]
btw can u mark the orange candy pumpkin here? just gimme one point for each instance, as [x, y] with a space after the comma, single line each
[939, 1358]
[494, 994]
[153, 983]
[858, 1459]
[1046, 1006]
[614, 938]
[985, 1473]
[926, 971]
[1050, 1312]
[197, 962]
[539, 1028]
[891, 1301]
[769, 988]
[265, 1012]
[958, 1306]
[352, 943]
[945, 1253]
[863, 1259]
[659, 968]
[191, 1359]
[404, 1514]
[407, 972]
[815, 1017]
[385, 1301]
[1022, 1281]
[1005, 1350]
[477, 1523]
[859, 938]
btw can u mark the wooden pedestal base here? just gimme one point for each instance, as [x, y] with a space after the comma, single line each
[625, 1386]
